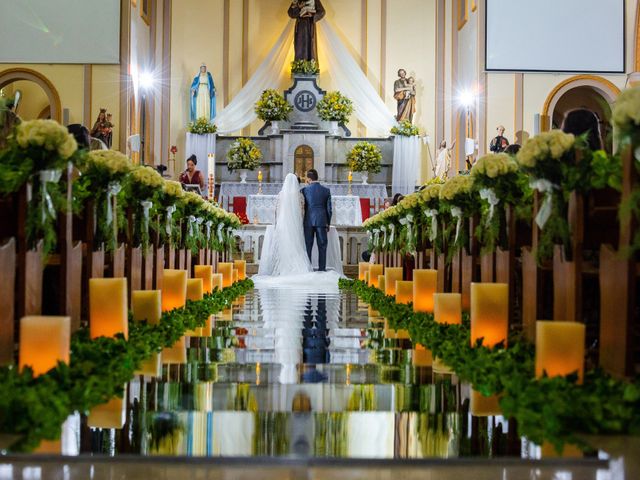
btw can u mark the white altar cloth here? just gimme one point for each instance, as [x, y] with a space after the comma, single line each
[346, 209]
[376, 192]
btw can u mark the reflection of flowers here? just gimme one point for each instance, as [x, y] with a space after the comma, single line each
[272, 106]
[335, 107]
[243, 154]
[365, 157]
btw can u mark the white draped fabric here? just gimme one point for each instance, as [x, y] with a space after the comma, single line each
[406, 164]
[240, 111]
[345, 71]
[201, 146]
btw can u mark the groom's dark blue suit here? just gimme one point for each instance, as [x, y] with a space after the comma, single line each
[317, 218]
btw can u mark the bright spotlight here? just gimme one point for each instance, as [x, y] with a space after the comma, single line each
[146, 80]
[467, 98]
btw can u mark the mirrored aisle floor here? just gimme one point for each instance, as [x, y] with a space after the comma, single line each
[291, 384]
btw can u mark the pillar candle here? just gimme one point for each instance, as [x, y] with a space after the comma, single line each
[375, 270]
[391, 276]
[216, 281]
[489, 313]
[174, 289]
[362, 268]
[481, 406]
[204, 272]
[424, 286]
[44, 341]
[447, 308]
[367, 274]
[421, 356]
[152, 366]
[108, 313]
[194, 289]
[226, 269]
[235, 275]
[241, 265]
[111, 414]
[560, 348]
[381, 283]
[404, 292]
[146, 305]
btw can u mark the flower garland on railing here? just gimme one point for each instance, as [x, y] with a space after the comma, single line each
[457, 197]
[143, 186]
[37, 153]
[97, 370]
[554, 409]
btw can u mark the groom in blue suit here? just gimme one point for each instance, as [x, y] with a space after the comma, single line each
[317, 217]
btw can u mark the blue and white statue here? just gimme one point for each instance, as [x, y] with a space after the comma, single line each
[203, 96]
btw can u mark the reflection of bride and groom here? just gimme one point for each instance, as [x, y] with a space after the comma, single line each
[301, 237]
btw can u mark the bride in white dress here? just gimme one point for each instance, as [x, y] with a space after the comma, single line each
[283, 251]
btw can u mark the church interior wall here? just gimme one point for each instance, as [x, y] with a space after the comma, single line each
[34, 101]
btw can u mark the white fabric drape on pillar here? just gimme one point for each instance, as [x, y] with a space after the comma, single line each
[200, 146]
[353, 82]
[240, 111]
[406, 164]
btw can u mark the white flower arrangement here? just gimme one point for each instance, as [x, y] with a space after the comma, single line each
[111, 162]
[547, 145]
[494, 165]
[147, 176]
[455, 186]
[626, 112]
[173, 189]
[432, 192]
[47, 134]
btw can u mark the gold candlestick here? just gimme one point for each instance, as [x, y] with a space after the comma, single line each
[259, 182]
[350, 178]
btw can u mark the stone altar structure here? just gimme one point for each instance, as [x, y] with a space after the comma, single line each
[304, 142]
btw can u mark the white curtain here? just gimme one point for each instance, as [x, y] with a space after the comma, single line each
[345, 71]
[240, 111]
[406, 164]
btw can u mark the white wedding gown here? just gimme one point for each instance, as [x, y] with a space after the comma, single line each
[284, 261]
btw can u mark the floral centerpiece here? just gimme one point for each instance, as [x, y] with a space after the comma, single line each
[335, 108]
[457, 199]
[366, 158]
[201, 126]
[405, 129]
[37, 152]
[304, 67]
[272, 107]
[243, 155]
[103, 173]
[550, 160]
[498, 180]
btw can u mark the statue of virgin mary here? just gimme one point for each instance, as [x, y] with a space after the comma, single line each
[203, 96]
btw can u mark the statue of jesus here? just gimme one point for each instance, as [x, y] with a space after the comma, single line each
[306, 13]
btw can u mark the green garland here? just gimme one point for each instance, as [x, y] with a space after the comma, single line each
[553, 409]
[35, 408]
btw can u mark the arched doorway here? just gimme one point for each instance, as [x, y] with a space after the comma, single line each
[37, 93]
[303, 160]
[583, 91]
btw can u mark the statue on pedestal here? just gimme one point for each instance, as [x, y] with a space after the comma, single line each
[404, 91]
[203, 96]
[306, 14]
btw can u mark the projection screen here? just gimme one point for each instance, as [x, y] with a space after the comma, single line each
[60, 31]
[555, 35]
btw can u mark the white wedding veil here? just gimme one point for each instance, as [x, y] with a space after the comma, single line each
[285, 253]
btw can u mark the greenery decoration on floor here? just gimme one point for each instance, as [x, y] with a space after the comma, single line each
[35, 408]
[553, 409]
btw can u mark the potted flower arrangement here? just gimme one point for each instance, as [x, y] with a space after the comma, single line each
[304, 67]
[272, 107]
[243, 155]
[335, 108]
[405, 129]
[201, 126]
[365, 157]
[457, 200]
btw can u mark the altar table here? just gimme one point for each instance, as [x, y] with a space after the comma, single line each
[261, 209]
